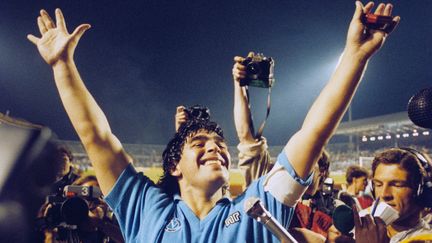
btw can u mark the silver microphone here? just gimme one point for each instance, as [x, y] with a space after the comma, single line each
[255, 209]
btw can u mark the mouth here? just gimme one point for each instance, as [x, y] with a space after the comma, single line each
[214, 161]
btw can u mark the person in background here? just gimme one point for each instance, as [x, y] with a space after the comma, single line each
[357, 180]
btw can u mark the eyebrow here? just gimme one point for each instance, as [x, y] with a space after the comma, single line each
[391, 181]
[205, 138]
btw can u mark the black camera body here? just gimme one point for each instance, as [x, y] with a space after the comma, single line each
[72, 207]
[378, 22]
[259, 71]
[198, 112]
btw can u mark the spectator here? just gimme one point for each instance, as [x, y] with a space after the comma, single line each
[357, 180]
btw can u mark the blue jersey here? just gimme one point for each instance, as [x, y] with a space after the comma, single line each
[146, 214]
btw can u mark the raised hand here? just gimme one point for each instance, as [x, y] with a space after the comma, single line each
[367, 41]
[239, 70]
[56, 43]
[180, 117]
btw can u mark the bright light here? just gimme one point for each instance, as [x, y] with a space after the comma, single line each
[415, 134]
[380, 137]
[388, 136]
[364, 139]
[405, 135]
[426, 133]
[397, 135]
[372, 138]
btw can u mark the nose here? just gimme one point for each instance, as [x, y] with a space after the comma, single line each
[386, 193]
[211, 147]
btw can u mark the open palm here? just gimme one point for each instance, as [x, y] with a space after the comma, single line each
[56, 43]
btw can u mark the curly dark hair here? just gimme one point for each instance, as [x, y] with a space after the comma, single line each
[172, 153]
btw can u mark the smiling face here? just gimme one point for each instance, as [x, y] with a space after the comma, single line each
[204, 163]
[392, 185]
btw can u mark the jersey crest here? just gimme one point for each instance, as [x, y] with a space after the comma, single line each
[232, 219]
[173, 226]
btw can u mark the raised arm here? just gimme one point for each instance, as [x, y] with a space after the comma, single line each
[305, 147]
[242, 113]
[57, 46]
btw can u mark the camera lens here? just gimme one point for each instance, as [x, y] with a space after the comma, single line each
[253, 68]
[75, 210]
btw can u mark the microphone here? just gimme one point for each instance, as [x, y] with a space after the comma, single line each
[420, 108]
[343, 219]
[255, 209]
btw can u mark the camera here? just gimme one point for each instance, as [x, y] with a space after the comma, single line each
[378, 22]
[327, 187]
[259, 71]
[72, 207]
[198, 112]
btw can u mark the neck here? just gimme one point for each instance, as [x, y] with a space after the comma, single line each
[405, 224]
[199, 202]
[351, 190]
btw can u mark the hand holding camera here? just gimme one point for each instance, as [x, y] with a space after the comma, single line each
[379, 22]
[255, 70]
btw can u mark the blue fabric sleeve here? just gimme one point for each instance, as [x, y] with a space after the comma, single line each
[283, 160]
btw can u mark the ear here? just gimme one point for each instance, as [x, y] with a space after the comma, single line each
[176, 172]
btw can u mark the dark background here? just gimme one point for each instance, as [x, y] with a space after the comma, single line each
[141, 59]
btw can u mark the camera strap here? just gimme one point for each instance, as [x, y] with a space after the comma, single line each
[251, 126]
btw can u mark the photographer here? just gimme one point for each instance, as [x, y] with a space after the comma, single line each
[189, 205]
[97, 226]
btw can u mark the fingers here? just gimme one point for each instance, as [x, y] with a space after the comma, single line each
[380, 9]
[180, 117]
[393, 26]
[238, 59]
[49, 24]
[180, 109]
[79, 31]
[368, 7]
[367, 221]
[60, 21]
[239, 71]
[356, 216]
[33, 39]
[358, 11]
[41, 25]
[388, 9]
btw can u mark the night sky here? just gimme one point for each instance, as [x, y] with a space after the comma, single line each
[141, 59]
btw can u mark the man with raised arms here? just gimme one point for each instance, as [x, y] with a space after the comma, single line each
[188, 205]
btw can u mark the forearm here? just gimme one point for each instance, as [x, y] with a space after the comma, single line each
[330, 106]
[242, 115]
[86, 116]
[103, 148]
[325, 113]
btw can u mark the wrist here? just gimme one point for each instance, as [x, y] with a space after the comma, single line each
[355, 55]
[62, 63]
